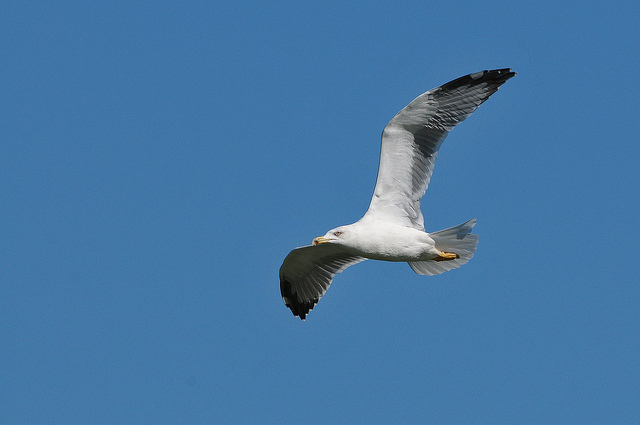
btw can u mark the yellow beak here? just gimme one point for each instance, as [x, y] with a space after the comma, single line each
[320, 239]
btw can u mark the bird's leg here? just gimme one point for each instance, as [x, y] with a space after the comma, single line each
[446, 256]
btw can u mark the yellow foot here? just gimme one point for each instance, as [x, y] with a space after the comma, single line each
[446, 256]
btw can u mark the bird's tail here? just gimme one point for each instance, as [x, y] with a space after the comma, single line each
[457, 239]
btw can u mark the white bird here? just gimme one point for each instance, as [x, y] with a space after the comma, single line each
[392, 229]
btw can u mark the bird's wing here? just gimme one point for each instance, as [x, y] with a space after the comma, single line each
[306, 273]
[411, 140]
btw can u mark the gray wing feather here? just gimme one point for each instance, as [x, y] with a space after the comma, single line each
[307, 272]
[411, 140]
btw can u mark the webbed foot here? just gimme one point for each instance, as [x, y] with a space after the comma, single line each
[446, 256]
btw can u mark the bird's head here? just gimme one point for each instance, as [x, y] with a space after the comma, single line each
[339, 235]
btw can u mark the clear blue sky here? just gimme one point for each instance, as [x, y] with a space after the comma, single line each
[158, 160]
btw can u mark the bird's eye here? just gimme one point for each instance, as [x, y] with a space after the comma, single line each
[337, 233]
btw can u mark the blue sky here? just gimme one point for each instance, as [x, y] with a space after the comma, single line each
[159, 160]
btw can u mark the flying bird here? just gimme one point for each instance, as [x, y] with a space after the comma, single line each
[392, 229]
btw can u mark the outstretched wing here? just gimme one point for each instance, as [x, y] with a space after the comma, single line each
[306, 273]
[411, 140]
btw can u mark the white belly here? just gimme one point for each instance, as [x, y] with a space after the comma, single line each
[395, 243]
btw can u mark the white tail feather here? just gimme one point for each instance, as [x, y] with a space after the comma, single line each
[458, 239]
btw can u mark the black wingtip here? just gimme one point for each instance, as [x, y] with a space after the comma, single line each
[495, 77]
[298, 308]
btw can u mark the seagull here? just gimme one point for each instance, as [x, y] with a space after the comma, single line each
[392, 229]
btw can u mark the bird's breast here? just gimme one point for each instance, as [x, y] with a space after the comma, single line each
[396, 244]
